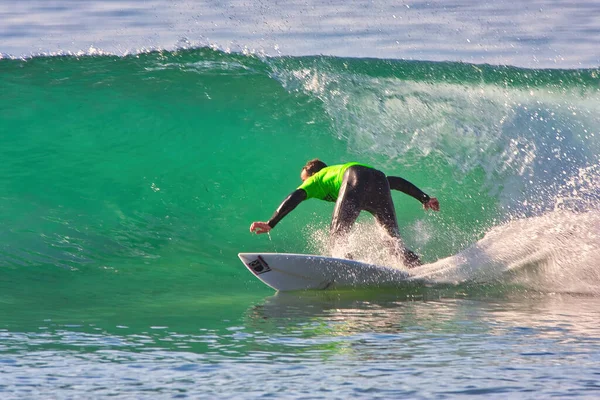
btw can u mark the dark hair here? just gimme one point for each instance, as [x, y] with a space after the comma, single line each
[314, 166]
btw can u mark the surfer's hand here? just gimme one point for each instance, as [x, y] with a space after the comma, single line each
[432, 204]
[260, 227]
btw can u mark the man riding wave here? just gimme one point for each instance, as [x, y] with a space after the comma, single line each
[353, 187]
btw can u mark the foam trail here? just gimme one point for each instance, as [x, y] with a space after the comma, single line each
[556, 252]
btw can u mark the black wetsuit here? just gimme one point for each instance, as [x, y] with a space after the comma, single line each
[363, 188]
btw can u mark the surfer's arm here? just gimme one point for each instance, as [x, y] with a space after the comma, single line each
[290, 202]
[404, 186]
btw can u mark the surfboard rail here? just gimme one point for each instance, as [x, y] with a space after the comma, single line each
[288, 272]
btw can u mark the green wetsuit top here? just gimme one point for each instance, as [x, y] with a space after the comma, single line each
[326, 184]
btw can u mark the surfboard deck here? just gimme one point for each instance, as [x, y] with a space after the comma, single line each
[288, 272]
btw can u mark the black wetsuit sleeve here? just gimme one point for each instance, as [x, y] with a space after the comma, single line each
[397, 183]
[290, 202]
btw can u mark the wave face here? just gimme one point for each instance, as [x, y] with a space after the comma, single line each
[145, 171]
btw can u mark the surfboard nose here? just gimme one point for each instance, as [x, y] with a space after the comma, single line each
[245, 257]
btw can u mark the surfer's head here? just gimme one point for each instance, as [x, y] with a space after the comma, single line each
[311, 168]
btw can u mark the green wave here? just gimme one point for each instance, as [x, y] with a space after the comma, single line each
[146, 171]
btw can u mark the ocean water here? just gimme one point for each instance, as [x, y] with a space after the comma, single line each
[139, 141]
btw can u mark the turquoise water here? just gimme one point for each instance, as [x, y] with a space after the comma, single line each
[128, 184]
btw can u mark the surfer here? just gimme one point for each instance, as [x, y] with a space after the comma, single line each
[353, 187]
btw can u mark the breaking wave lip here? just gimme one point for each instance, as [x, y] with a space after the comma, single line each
[91, 52]
[182, 45]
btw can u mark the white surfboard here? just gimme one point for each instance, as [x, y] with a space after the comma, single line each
[286, 272]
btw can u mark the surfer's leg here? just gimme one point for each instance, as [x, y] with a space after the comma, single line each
[347, 209]
[383, 210]
[394, 240]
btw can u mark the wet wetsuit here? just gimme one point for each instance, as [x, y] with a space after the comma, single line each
[354, 187]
